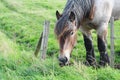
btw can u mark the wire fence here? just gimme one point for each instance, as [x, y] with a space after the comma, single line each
[112, 56]
[114, 44]
[114, 39]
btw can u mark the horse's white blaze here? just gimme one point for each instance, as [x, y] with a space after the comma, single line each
[67, 54]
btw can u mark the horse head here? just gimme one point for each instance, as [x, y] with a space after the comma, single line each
[65, 31]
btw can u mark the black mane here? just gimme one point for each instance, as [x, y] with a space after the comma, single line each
[81, 8]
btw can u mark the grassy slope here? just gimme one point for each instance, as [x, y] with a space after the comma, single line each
[21, 23]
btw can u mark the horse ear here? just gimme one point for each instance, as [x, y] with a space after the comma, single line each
[58, 15]
[72, 16]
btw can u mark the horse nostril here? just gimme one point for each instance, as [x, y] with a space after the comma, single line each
[63, 60]
[66, 59]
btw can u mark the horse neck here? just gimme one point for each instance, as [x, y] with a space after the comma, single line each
[81, 8]
[86, 6]
[84, 10]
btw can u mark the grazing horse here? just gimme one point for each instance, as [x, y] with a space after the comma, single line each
[85, 15]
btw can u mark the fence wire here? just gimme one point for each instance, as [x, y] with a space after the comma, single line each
[114, 42]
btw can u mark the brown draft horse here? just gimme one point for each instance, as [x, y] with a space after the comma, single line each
[85, 15]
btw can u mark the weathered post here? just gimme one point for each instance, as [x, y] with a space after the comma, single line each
[112, 56]
[44, 43]
[38, 45]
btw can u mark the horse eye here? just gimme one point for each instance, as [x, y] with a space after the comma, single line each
[71, 33]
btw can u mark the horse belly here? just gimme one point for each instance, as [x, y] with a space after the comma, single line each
[116, 9]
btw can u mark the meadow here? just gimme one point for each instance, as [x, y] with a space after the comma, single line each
[21, 23]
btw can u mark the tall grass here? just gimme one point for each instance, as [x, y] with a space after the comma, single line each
[21, 23]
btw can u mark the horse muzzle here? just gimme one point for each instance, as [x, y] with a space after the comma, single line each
[63, 61]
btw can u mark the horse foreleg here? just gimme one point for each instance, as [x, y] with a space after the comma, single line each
[102, 46]
[90, 57]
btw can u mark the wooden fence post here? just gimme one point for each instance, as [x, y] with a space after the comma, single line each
[38, 45]
[44, 43]
[112, 56]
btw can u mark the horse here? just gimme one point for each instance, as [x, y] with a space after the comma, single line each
[85, 15]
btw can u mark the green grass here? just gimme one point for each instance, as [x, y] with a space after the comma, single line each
[21, 23]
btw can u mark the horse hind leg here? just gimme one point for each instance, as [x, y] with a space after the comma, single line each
[102, 46]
